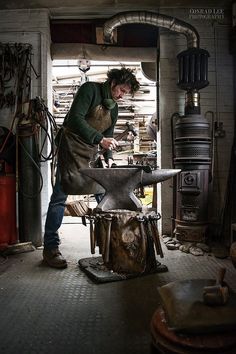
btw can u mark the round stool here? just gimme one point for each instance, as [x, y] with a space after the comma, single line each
[166, 341]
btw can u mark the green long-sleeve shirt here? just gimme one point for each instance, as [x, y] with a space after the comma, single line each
[89, 95]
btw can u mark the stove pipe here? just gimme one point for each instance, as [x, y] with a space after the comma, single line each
[154, 19]
[192, 150]
[192, 145]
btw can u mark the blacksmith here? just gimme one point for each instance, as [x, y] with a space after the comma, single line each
[90, 122]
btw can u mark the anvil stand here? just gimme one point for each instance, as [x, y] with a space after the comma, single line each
[124, 231]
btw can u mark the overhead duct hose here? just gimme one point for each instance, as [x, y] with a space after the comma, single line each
[153, 19]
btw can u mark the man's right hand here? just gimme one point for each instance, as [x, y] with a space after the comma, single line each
[109, 143]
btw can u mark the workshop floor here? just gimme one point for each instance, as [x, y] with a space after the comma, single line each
[49, 311]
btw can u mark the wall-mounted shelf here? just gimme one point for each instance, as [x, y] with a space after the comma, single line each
[138, 110]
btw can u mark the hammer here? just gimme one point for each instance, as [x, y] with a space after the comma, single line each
[130, 128]
[217, 294]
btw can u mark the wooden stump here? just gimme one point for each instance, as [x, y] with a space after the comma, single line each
[126, 240]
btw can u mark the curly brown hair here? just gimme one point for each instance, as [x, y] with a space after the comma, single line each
[124, 76]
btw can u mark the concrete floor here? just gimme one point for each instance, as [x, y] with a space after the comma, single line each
[50, 311]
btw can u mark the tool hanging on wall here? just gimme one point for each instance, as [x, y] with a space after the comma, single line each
[15, 86]
[15, 73]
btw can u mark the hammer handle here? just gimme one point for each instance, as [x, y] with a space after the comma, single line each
[92, 237]
[121, 135]
[221, 275]
[118, 137]
[108, 239]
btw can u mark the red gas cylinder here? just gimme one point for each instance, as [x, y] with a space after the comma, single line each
[8, 232]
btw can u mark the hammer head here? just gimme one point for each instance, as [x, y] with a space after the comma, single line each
[215, 295]
[131, 128]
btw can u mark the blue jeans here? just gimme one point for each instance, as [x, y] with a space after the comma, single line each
[55, 215]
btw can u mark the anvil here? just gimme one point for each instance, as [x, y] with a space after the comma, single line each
[120, 183]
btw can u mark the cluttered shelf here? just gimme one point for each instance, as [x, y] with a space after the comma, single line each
[137, 110]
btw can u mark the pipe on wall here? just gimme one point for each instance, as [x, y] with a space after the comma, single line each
[154, 19]
[101, 52]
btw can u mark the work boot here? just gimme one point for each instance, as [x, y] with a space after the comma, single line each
[54, 258]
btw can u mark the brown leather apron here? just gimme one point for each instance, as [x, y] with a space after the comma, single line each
[74, 154]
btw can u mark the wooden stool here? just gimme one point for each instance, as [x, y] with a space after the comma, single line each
[166, 341]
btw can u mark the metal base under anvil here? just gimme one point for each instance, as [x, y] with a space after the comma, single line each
[99, 273]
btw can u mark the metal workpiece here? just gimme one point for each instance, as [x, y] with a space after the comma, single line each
[154, 19]
[119, 184]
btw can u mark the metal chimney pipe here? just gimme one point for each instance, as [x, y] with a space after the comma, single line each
[153, 19]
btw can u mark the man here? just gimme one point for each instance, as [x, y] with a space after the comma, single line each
[90, 122]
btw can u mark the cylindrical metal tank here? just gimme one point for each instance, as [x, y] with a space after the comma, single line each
[8, 227]
[30, 183]
[8, 231]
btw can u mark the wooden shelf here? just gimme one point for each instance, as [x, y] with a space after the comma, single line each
[136, 110]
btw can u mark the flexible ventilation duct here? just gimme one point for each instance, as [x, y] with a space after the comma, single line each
[153, 19]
